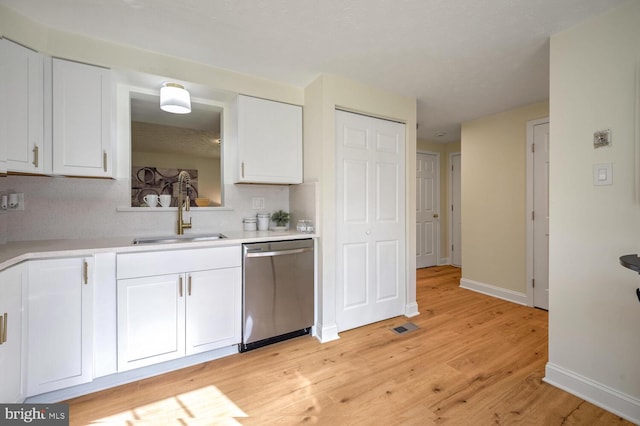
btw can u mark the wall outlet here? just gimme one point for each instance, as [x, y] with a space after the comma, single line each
[257, 203]
[19, 201]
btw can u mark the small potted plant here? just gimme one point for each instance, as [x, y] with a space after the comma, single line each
[281, 218]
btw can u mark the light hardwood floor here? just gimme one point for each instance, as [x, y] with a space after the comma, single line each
[475, 360]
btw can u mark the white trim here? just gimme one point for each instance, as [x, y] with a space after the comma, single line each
[437, 209]
[637, 138]
[411, 310]
[529, 208]
[616, 402]
[490, 290]
[450, 205]
[444, 261]
[327, 333]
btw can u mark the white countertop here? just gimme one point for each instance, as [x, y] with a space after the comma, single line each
[18, 251]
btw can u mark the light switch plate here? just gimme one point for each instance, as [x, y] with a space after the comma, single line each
[603, 174]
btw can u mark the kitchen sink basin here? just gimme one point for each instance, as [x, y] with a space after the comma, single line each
[178, 239]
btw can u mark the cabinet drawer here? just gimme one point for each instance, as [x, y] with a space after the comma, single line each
[144, 264]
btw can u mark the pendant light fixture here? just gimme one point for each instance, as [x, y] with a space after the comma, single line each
[175, 98]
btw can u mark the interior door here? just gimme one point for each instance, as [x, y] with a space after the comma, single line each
[541, 215]
[456, 210]
[370, 220]
[427, 209]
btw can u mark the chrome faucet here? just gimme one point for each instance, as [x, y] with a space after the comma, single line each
[183, 179]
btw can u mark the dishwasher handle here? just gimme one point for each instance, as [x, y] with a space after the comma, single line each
[277, 252]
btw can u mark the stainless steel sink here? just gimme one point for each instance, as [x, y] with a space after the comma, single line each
[178, 239]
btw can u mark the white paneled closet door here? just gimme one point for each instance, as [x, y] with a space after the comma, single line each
[370, 220]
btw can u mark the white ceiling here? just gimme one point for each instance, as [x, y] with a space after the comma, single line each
[462, 59]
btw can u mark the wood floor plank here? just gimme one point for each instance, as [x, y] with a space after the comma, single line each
[474, 360]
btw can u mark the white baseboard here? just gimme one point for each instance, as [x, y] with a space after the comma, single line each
[411, 310]
[596, 393]
[327, 333]
[444, 261]
[490, 290]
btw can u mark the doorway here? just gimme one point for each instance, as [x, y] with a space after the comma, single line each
[456, 209]
[427, 209]
[538, 212]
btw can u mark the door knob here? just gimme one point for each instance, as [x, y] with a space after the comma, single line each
[368, 232]
[435, 216]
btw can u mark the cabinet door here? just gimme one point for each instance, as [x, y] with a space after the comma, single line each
[269, 141]
[213, 314]
[150, 320]
[22, 108]
[11, 377]
[59, 323]
[81, 119]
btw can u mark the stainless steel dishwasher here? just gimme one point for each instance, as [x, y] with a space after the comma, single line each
[277, 300]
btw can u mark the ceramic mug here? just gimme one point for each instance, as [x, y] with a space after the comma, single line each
[151, 200]
[165, 200]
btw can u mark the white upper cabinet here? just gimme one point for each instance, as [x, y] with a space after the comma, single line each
[81, 119]
[269, 141]
[22, 141]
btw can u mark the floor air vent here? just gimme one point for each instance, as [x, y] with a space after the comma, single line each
[405, 328]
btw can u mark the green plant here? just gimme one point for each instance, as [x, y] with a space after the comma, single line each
[280, 217]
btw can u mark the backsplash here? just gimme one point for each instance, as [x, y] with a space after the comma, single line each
[60, 207]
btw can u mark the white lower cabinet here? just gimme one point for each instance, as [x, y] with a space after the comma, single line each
[59, 324]
[11, 371]
[174, 314]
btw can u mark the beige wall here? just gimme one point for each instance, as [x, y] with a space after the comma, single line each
[322, 97]
[494, 198]
[594, 314]
[445, 150]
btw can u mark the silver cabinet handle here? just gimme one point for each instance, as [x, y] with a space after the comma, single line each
[278, 252]
[180, 290]
[189, 285]
[3, 328]
[85, 272]
[35, 156]
[243, 170]
[104, 161]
